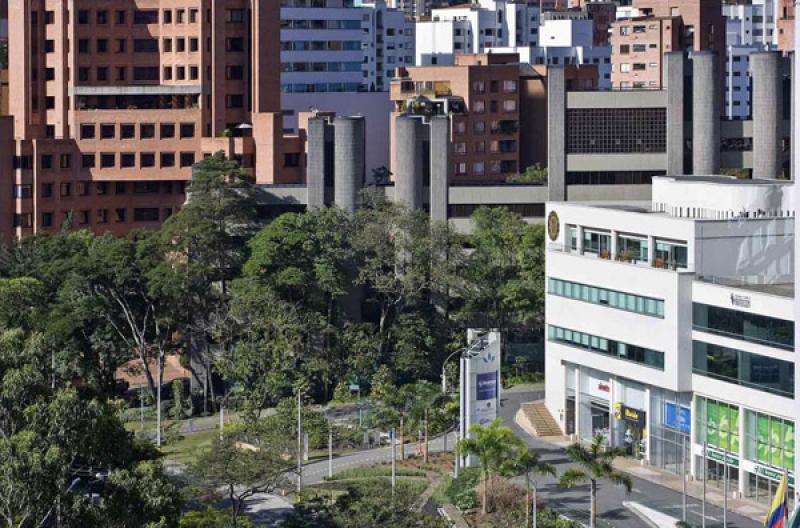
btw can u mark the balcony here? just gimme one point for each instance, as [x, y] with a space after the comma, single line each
[505, 127]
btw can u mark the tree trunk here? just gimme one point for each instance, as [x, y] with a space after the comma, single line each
[485, 497]
[426, 437]
[234, 505]
[527, 500]
[594, 503]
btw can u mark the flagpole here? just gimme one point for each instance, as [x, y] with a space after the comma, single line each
[725, 492]
[705, 478]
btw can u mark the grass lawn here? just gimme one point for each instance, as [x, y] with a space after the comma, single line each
[377, 471]
[186, 450]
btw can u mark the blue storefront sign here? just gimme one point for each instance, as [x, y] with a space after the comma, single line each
[487, 386]
[676, 417]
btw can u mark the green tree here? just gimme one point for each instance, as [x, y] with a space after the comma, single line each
[212, 518]
[533, 174]
[140, 496]
[595, 463]
[497, 449]
[504, 275]
[527, 462]
[243, 470]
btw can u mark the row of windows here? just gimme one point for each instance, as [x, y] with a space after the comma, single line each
[140, 16]
[319, 24]
[102, 216]
[506, 126]
[321, 45]
[323, 87]
[127, 160]
[83, 188]
[494, 167]
[743, 368]
[743, 325]
[616, 349]
[301, 67]
[508, 105]
[128, 131]
[615, 299]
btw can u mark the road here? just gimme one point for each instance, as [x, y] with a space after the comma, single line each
[610, 496]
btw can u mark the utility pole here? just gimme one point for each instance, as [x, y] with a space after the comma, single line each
[299, 441]
[392, 439]
[456, 459]
[535, 484]
[159, 376]
[330, 452]
[725, 492]
[425, 458]
[705, 479]
[685, 476]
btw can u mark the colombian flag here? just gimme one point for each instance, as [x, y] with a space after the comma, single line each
[776, 518]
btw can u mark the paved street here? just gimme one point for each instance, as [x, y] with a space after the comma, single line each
[610, 497]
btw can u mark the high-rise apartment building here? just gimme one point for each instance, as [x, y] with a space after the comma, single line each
[655, 27]
[113, 102]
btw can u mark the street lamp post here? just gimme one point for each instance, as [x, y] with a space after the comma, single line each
[299, 441]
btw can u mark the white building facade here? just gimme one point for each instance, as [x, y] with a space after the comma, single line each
[749, 28]
[670, 328]
[475, 28]
[342, 45]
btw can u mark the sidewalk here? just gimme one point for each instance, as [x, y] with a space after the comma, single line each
[694, 489]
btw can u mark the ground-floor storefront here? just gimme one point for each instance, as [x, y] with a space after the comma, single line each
[731, 444]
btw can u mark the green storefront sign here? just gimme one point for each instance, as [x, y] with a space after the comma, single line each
[772, 474]
[719, 456]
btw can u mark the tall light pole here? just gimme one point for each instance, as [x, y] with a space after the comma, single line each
[299, 440]
[159, 376]
[392, 437]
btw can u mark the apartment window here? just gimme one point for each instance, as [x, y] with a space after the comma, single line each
[167, 73]
[83, 45]
[47, 219]
[167, 45]
[49, 46]
[122, 17]
[102, 73]
[145, 45]
[193, 13]
[145, 187]
[49, 102]
[147, 131]
[127, 160]
[102, 17]
[102, 45]
[461, 168]
[120, 188]
[88, 160]
[478, 168]
[509, 86]
[609, 347]
[49, 17]
[235, 16]
[49, 74]
[612, 298]
[234, 44]
[108, 160]
[83, 188]
[127, 131]
[47, 190]
[478, 107]
[23, 220]
[102, 216]
[66, 189]
[187, 130]
[65, 161]
[122, 73]
[47, 161]
[234, 101]
[83, 74]
[194, 73]
[101, 188]
[624, 49]
[180, 73]
[459, 127]
[746, 326]
[234, 73]
[83, 16]
[179, 16]
[145, 214]
[180, 44]
[167, 130]
[194, 44]
[187, 159]
[479, 87]
[509, 105]
[460, 148]
[146, 16]
[145, 73]
[119, 214]
[167, 159]
[167, 16]
[147, 160]
[23, 191]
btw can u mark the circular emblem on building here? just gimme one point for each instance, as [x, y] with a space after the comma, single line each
[553, 226]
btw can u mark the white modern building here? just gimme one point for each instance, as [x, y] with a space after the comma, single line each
[749, 28]
[566, 37]
[342, 45]
[475, 28]
[670, 327]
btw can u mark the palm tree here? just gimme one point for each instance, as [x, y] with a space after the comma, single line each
[496, 447]
[595, 464]
[528, 462]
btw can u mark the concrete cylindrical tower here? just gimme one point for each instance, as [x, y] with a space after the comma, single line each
[317, 133]
[408, 174]
[705, 113]
[674, 81]
[767, 111]
[349, 161]
[440, 167]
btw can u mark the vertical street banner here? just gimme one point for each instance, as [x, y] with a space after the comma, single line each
[480, 382]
